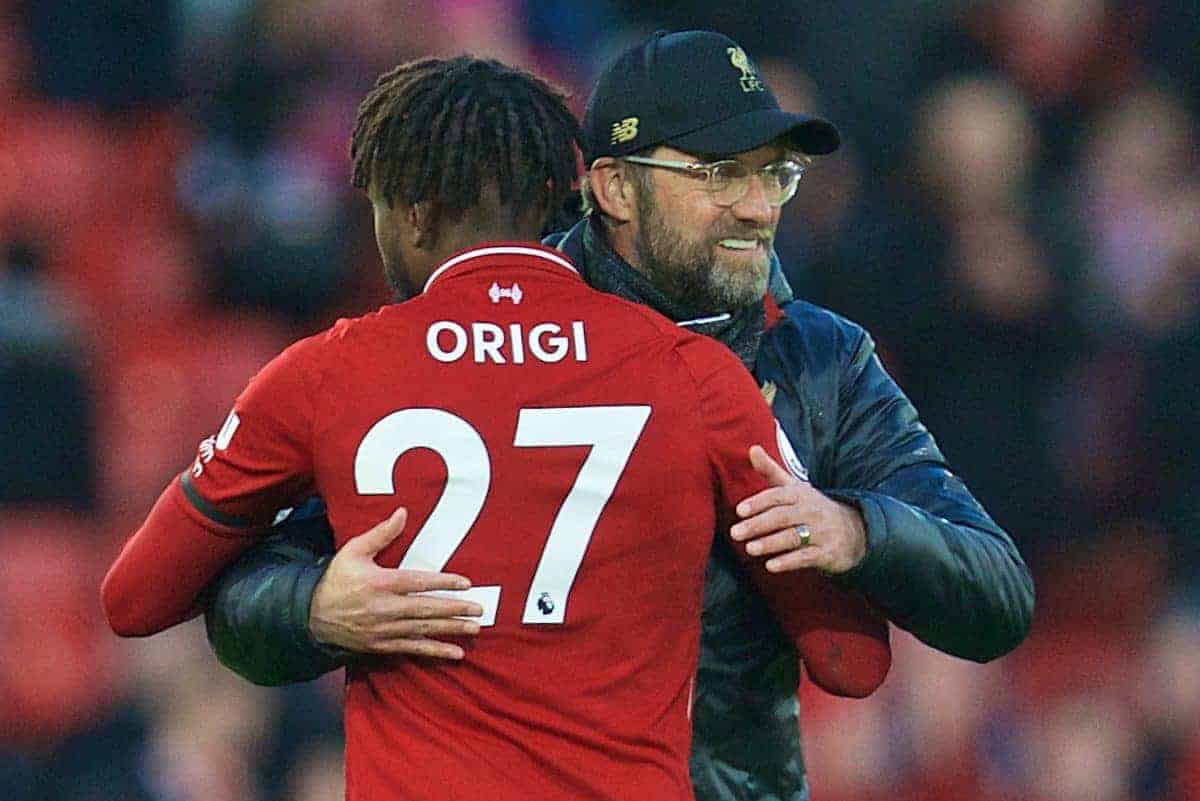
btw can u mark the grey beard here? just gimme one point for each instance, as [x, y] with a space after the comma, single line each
[686, 272]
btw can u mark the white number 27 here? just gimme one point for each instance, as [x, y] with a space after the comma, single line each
[612, 431]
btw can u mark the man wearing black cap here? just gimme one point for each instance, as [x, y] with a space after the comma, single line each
[690, 160]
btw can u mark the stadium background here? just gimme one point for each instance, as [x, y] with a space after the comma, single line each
[1015, 215]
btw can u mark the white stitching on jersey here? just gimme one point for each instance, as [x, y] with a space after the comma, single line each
[500, 251]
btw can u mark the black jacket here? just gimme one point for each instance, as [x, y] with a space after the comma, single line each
[936, 563]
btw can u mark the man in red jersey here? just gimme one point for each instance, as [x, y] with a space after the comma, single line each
[533, 425]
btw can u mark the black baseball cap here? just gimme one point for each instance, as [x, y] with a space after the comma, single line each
[696, 91]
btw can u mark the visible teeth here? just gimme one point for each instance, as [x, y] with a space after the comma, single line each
[739, 244]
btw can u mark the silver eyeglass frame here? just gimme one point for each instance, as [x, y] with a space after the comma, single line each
[707, 169]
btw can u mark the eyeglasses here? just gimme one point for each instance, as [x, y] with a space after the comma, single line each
[728, 181]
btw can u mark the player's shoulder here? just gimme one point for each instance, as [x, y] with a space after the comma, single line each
[312, 353]
[636, 320]
[642, 319]
[703, 357]
[346, 330]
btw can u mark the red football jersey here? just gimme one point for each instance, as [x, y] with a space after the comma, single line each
[566, 450]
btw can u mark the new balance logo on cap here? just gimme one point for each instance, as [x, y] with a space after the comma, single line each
[624, 130]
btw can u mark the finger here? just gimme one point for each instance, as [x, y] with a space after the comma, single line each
[779, 542]
[426, 607]
[776, 518]
[768, 468]
[406, 581]
[775, 496]
[419, 647]
[799, 559]
[381, 536]
[437, 627]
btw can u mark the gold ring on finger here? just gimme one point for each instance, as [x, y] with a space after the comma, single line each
[804, 534]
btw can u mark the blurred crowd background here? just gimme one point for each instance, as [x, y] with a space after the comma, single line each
[1015, 216]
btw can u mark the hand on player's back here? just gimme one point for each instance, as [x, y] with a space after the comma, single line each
[838, 535]
[365, 608]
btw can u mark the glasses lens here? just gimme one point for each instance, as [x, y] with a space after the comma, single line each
[779, 181]
[729, 181]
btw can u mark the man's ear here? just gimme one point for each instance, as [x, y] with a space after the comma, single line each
[423, 224]
[614, 189]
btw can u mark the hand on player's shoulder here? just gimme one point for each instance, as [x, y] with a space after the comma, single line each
[795, 526]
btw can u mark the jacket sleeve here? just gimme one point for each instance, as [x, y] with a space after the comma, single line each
[936, 563]
[842, 641]
[257, 611]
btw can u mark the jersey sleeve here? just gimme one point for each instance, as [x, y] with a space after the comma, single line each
[841, 639]
[261, 459]
[257, 463]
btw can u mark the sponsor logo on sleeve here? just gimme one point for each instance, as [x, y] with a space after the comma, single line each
[205, 454]
[227, 431]
[210, 445]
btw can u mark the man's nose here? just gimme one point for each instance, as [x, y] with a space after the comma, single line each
[753, 206]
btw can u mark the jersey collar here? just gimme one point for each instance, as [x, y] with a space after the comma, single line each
[518, 253]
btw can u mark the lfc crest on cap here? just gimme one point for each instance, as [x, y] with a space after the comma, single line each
[750, 81]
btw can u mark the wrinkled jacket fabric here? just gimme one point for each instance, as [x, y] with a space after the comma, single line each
[936, 563]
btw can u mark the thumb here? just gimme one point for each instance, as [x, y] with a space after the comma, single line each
[374, 540]
[768, 468]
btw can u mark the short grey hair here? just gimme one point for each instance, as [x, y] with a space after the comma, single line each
[637, 174]
[588, 197]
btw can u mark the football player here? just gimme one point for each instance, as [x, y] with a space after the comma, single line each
[570, 451]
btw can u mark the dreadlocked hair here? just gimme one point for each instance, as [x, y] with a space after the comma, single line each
[439, 130]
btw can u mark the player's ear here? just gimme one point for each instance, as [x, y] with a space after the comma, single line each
[422, 223]
[613, 188]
